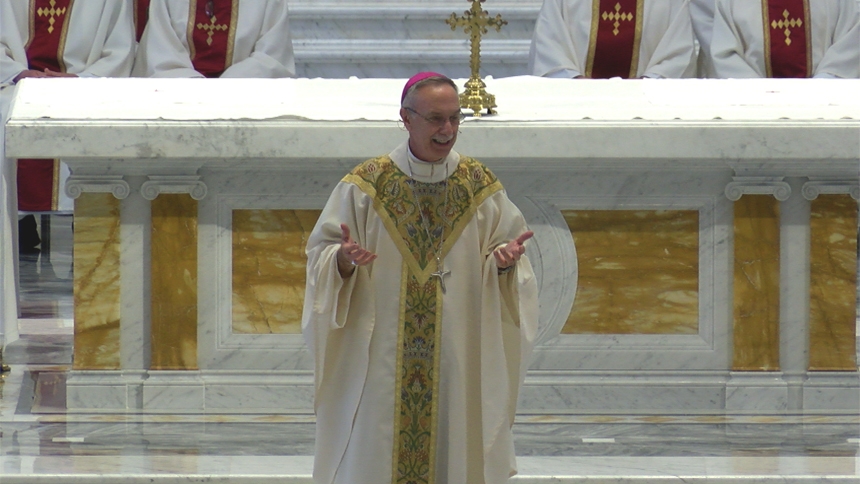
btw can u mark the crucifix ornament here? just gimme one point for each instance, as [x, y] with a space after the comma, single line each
[475, 22]
[440, 273]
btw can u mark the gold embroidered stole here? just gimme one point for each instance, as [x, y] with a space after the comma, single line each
[49, 25]
[212, 34]
[616, 32]
[420, 331]
[39, 179]
[787, 38]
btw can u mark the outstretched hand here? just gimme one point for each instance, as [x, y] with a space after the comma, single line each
[350, 253]
[508, 254]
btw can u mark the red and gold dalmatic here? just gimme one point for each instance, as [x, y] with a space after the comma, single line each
[39, 180]
[787, 40]
[613, 47]
[211, 34]
[141, 16]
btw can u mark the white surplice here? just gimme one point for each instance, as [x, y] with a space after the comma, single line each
[737, 44]
[560, 44]
[262, 48]
[702, 15]
[99, 43]
[488, 325]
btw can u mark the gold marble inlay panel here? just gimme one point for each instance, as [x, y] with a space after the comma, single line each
[756, 283]
[638, 272]
[269, 265]
[174, 282]
[96, 242]
[833, 283]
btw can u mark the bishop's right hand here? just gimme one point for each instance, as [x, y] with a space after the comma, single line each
[351, 254]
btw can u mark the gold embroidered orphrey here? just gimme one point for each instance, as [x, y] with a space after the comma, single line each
[785, 23]
[419, 328]
[52, 13]
[617, 17]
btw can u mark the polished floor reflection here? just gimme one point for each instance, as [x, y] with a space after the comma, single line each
[39, 442]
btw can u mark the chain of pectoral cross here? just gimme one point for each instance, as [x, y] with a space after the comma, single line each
[440, 269]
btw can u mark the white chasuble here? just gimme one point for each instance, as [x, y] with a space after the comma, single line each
[565, 35]
[413, 382]
[738, 40]
[252, 38]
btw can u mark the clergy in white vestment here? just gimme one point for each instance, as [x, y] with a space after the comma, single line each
[702, 15]
[420, 310]
[786, 38]
[45, 39]
[600, 39]
[216, 38]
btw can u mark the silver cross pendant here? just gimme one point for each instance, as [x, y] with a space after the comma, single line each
[440, 274]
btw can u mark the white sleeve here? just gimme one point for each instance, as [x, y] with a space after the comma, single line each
[163, 49]
[112, 53]
[271, 55]
[554, 51]
[734, 47]
[674, 55]
[842, 58]
[13, 25]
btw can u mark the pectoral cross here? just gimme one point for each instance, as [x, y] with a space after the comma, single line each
[440, 273]
[475, 22]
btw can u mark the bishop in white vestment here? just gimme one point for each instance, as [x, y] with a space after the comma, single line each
[419, 351]
[602, 38]
[216, 38]
[820, 37]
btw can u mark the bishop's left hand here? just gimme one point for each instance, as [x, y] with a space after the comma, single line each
[508, 254]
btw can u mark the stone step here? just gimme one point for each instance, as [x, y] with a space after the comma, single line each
[336, 58]
[389, 38]
[237, 469]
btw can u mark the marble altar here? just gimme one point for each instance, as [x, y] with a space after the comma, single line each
[696, 240]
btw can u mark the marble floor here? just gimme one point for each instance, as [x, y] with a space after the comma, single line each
[40, 443]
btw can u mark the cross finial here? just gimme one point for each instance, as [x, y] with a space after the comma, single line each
[475, 22]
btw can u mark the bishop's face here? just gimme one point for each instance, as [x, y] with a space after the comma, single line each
[432, 121]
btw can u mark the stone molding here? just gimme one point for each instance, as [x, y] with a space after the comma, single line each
[813, 188]
[159, 184]
[758, 185]
[115, 184]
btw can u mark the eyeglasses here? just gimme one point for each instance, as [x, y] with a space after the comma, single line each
[438, 120]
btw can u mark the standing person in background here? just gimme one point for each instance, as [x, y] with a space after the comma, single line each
[600, 39]
[788, 38]
[216, 38]
[48, 39]
[420, 310]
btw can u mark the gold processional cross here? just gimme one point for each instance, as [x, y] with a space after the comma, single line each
[52, 12]
[211, 27]
[475, 22]
[795, 22]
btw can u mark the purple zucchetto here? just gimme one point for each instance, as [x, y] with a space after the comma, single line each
[418, 78]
